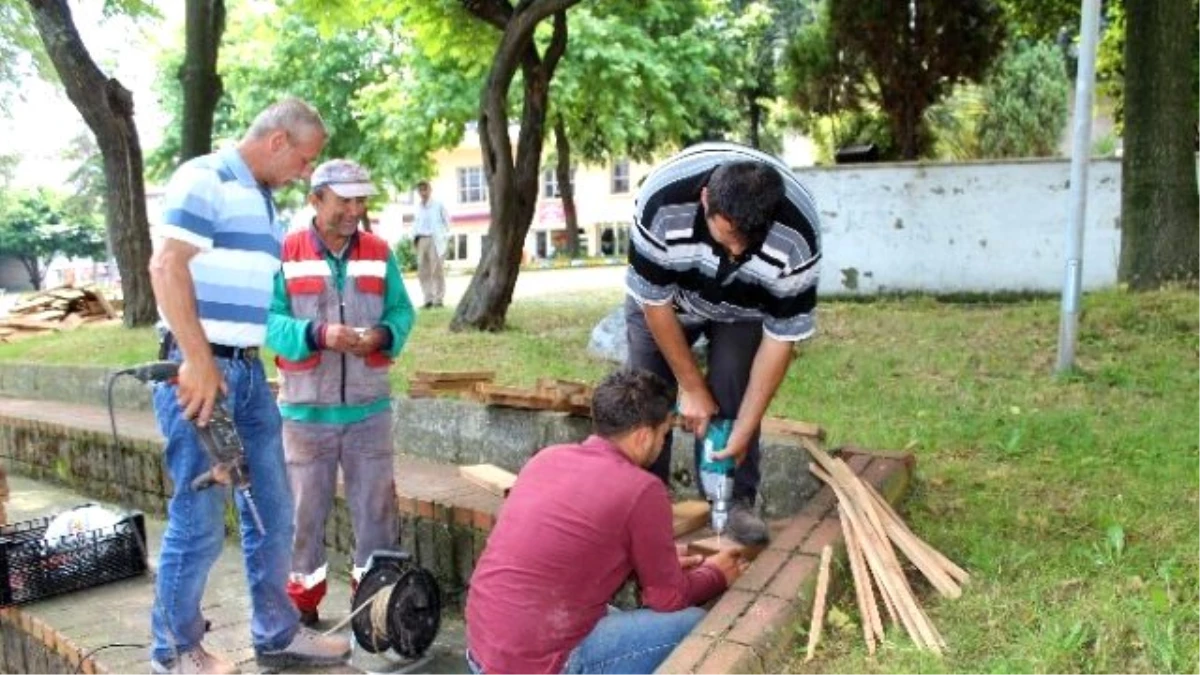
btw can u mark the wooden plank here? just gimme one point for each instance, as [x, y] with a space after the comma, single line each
[818, 615]
[32, 324]
[514, 397]
[109, 310]
[489, 477]
[781, 427]
[452, 386]
[72, 321]
[689, 516]
[455, 375]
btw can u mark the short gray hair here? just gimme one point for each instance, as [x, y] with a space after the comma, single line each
[291, 115]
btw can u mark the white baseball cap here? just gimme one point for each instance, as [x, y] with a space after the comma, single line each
[346, 178]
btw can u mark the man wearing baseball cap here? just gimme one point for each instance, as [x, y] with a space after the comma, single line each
[339, 316]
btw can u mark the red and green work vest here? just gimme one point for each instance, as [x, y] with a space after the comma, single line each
[329, 377]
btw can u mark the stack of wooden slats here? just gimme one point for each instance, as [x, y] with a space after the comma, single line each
[870, 527]
[56, 309]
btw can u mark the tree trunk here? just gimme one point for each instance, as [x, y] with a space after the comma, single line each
[566, 190]
[107, 108]
[512, 185]
[34, 269]
[198, 76]
[756, 114]
[1160, 208]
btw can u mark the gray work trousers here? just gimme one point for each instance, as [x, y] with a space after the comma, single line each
[364, 451]
[430, 272]
[731, 350]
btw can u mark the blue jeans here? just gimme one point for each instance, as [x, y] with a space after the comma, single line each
[195, 530]
[636, 641]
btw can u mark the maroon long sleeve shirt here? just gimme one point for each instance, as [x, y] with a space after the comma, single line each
[578, 521]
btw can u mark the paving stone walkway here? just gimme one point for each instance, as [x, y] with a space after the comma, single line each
[120, 612]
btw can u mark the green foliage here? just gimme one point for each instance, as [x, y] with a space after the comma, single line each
[1043, 20]
[627, 86]
[21, 53]
[954, 123]
[859, 56]
[1025, 103]
[406, 255]
[36, 226]
[1110, 61]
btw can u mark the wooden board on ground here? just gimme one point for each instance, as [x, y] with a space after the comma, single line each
[455, 375]
[782, 427]
[514, 397]
[33, 324]
[712, 545]
[489, 477]
[689, 516]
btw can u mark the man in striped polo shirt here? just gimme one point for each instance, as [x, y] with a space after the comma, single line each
[725, 244]
[212, 272]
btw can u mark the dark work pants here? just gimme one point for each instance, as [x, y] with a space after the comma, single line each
[731, 350]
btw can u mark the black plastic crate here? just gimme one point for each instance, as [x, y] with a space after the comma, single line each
[32, 568]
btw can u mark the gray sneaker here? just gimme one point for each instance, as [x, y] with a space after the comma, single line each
[745, 526]
[196, 660]
[307, 648]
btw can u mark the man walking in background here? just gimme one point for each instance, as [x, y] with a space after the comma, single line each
[431, 227]
[339, 317]
[212, 272]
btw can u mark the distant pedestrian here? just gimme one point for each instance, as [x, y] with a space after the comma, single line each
[431, 228]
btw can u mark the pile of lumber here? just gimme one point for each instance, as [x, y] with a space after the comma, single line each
[871, 527]
[56, 309]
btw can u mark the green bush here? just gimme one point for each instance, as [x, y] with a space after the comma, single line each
[1025, 103]
[406, 255]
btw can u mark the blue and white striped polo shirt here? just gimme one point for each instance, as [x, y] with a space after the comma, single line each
[215, 204]
[675, 260]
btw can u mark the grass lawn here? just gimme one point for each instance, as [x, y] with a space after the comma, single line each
[1072, 501]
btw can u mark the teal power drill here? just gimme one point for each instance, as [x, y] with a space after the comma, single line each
[716, 475]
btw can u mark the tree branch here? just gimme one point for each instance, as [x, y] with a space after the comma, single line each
[495, 12]
[558, 44]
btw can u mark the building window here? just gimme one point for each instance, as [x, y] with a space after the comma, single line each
[550, 183]
[614, 240]
[620, 177]
[456, 247]
[472, 187]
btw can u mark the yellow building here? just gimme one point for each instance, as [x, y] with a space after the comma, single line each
[603, 200]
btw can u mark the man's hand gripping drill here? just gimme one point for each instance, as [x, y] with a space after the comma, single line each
[219, 438]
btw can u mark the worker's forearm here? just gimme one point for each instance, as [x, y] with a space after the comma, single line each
[175, 292]
[668, 335]
[766, 373]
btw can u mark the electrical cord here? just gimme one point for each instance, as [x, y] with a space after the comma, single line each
[112, 645]
[137, 535]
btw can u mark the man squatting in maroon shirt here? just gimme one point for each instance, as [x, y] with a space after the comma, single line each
[579, 520]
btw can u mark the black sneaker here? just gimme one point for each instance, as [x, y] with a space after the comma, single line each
[428, 305]
[745, 526]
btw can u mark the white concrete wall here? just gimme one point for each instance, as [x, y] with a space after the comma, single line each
[963, 227]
